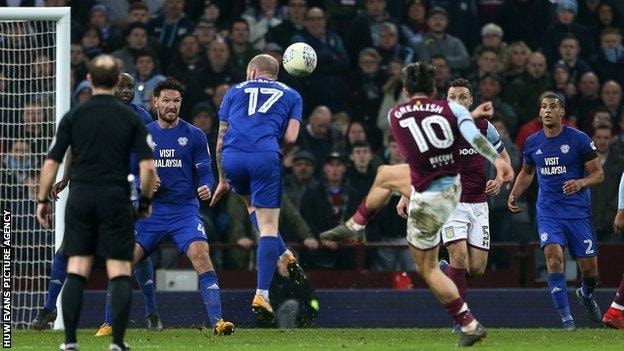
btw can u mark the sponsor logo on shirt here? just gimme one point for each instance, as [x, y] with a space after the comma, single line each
[182, 141]
[565, 148]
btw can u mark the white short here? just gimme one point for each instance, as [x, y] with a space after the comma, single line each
[469, 221]
[427, 213]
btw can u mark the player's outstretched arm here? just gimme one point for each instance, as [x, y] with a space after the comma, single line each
[595, 175]
[484, 110]
[222, 185]
[524, 179]
[618, 222]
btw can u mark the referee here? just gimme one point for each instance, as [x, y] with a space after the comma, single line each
[99, 215]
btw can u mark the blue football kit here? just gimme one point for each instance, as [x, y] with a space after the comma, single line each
[562, 219]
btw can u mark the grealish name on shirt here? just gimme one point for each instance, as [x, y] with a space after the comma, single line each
[552, 166]
[167, 162]
[417, 107]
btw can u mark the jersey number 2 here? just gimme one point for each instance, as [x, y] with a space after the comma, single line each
[253, 99]
[427, 127]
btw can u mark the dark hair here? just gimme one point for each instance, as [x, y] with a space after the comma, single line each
[104, 71]
[418, 78]
[133, 26]
[461, 83]
[361, 143]
[610, 30]
[603, 126]
[239, 20]
[438, 57]
[553, 96]
[146, 52]
[169, 84]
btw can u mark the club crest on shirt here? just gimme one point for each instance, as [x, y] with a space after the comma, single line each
[449, 232]
[565, 148]
[182, 141]
[544, 236]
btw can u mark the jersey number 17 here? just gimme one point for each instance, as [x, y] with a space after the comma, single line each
[275, 94]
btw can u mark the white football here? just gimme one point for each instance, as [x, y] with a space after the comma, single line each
[299, 59]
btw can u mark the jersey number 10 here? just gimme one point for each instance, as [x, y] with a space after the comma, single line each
[276, 94]
[427, 127]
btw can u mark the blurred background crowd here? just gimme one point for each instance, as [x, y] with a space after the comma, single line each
[512, 51]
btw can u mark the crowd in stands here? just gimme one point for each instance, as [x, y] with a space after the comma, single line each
[512, 51]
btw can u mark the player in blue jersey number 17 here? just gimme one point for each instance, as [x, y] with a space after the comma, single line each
[566, 164]
[254, 118]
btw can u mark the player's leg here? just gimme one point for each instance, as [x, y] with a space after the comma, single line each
[143, 272]
[614, 317]
[454, 234]
[58, 275]
[387, 180]
[478, 239]
[295, 272]
[106, 329]
[266, 260]
[116, 240]
[557, 283]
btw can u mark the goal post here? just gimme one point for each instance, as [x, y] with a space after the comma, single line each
[35, 94]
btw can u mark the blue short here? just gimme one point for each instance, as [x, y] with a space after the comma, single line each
[181, 224]
[575, 233]
[258, 174]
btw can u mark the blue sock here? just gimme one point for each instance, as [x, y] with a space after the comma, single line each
[57, 279]
[108, 315]
[559, 293]
[144, 275]
[266, 260]
[209, 287]
[588, 284]
[254, 222]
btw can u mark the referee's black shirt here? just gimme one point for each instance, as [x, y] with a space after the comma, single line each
[102, 132]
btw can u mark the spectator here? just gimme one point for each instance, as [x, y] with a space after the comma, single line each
[218, 71]
[526, 20]
[414, 25]
[463, 19]
[588, 12]
[365, 29]
[146, 77]
[204, 117]
[438, 42]
[587, 99]
[327, 205]
[295, 305]
[186, 66]
[317, 137]
[240, 47]
[442, 75]
[110, 34]
[82, 93]
[205, 32]
[325, 85]
[78, 64]
[37, 128]
[137, 12]
[489, 89]
[500, 217]
[340, 123]
[569, 55]
[565, 26]
[393, 93]
[136, 40]
[604, 199]
[522, 94]
[607, 16]
[365, 92]
[609, 63]
[217, 97]
[601, 118]
[492, 38]
[171, 25]
[389, 46]
[611, 96]
[91, 41]
[291, 26]
[301, 178]
[261, 19]
[18, 160]
[515, 60]
[361, 172]
[487, 62]
[619, 138]
[564, 87]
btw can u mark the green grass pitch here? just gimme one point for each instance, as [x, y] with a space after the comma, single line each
[333, 339]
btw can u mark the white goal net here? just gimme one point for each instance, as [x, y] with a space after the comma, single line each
[32, 67]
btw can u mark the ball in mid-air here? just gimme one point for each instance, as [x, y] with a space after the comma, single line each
[299, 59]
